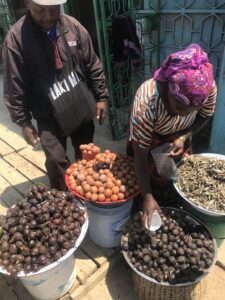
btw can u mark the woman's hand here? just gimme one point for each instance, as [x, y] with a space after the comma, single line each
[149, 206]
[178, 147]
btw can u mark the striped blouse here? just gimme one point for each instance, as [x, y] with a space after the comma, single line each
[150, 115]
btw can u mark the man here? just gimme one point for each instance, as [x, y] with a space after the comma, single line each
[34, 53]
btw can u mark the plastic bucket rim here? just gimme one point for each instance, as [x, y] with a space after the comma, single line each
[82, 235]
[198, 207]
[206, 272]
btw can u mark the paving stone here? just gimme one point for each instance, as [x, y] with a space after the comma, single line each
[6, 293]
[9, 195]
[5, 148]
[85, 266]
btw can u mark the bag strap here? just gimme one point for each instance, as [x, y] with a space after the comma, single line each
[71, 58]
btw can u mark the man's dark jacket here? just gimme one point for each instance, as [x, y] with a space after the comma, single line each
[29, 66]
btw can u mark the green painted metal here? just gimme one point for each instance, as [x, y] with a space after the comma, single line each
[163, 26]
[7, 18]
[71, 8]
[182, 22]
[217, 141]
[120, 80]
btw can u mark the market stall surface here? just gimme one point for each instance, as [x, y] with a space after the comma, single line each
[101, 273]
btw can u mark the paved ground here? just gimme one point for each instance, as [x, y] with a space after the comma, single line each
[101, 273]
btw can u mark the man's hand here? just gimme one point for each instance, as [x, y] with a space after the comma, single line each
[30, 135]
[149, 206]
[177, 147]
[101, 111]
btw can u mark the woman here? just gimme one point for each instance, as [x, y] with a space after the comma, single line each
[170, 107]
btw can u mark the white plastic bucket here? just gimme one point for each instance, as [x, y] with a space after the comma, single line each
[54, 283]
[107, 223]
[54, 280]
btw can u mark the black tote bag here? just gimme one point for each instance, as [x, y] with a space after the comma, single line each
[72, 101]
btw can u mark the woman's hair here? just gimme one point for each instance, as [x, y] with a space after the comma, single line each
[189, 75]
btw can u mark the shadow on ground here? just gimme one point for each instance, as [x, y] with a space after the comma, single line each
[11, 195]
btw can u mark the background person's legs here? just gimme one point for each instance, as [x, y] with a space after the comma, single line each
[54, 146]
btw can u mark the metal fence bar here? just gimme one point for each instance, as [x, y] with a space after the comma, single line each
[217, 140]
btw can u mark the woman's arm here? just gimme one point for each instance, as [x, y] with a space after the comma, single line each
[141, 165]
[179, 143]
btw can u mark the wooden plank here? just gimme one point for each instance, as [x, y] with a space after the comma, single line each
[95, 252]
[66, 297]
[36, 157]
[221, 254]
[25, 167]
[81, 291]
[85, 266]
[6, 292]
[5, 148]
[9, 195]
[75, 285]
[15, 178]
[13, 139]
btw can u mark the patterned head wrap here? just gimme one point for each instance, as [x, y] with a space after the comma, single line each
[189, 75]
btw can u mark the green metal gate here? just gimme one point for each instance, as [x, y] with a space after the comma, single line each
[171, 25]
[7, 18]
[120, 80]
[163, 26]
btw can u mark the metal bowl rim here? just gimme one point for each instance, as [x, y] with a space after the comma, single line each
[200, 208]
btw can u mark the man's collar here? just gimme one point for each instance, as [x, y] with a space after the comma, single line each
[36, 30]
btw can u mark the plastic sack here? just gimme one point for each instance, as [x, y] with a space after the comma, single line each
[165, 165]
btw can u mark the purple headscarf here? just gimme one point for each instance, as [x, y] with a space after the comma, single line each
[189, 75]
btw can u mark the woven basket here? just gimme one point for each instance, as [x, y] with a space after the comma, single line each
[147, 290]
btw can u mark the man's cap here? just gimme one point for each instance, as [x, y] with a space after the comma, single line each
[49, 2]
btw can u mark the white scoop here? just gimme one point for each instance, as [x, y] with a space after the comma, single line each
[156, 222]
